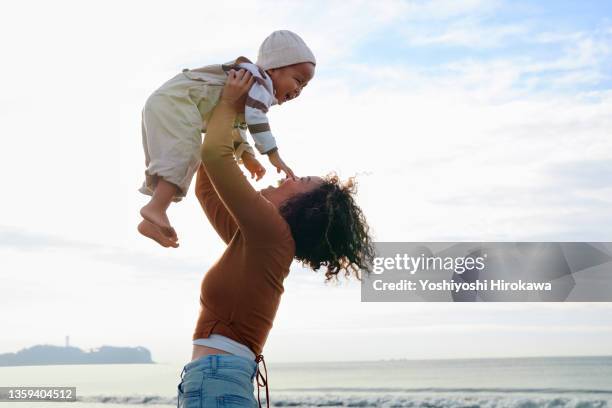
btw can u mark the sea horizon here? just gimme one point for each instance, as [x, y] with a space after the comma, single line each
[442, 359]
[356, 361]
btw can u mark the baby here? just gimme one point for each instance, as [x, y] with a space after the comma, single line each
[175, 116]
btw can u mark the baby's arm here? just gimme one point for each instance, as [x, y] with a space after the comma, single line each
[259, 99]
[241, 144]
[277, 162]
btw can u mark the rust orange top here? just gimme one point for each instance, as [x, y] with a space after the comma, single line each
[241, 292]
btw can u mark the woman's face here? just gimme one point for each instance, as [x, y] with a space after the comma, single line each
[288, 187]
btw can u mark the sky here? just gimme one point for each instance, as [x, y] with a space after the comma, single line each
[463, 120]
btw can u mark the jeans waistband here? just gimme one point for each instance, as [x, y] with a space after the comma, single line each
[214, 361]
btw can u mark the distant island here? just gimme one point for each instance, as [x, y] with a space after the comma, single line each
[54, 355]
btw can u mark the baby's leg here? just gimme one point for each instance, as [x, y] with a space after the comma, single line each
[155, 210]
[152, 231]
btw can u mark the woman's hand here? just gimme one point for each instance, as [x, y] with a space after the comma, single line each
[236, 87]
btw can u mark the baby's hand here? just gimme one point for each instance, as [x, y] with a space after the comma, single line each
[277, 162]
[253, 166]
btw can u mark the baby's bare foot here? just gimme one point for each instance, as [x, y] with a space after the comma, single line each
[150, 230]
[160, 219]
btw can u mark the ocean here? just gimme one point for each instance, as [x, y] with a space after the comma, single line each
[551, 382]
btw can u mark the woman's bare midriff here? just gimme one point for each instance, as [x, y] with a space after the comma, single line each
[199, 351]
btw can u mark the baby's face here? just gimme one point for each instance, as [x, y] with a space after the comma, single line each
[289, 81]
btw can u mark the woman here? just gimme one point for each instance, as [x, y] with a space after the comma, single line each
[311, 219]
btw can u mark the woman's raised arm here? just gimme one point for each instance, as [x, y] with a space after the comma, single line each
[214, 209]
[242, 201]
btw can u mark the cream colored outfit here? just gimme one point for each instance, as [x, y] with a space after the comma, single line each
[173, 120]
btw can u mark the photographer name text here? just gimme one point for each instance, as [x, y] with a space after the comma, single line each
[453, 286]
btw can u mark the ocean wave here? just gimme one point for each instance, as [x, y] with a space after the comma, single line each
[453, 390]
[420, 399]
[446, 401]
[129, 399]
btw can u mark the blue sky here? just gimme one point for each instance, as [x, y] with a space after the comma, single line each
[531, 31]
[464, 120]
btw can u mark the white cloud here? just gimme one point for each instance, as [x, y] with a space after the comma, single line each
[469, 33]
[448, 9]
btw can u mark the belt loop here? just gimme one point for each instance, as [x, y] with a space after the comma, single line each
[183, 372]
[214, 362]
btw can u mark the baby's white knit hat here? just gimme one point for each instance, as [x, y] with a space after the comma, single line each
[283, 48]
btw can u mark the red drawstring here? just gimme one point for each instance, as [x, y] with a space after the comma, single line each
[264, 380]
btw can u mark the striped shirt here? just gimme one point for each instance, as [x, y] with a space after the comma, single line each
[259, 100]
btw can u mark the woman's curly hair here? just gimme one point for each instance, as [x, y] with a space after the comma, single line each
[329, 229]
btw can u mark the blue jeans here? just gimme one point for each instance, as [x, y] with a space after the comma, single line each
[218, 381]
